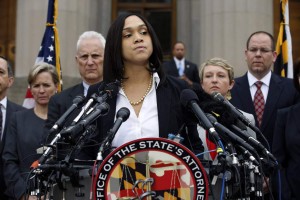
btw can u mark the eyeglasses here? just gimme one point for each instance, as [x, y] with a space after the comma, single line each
[261, 50]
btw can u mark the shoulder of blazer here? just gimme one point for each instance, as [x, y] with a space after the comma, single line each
[176, 82]
[14, 107]
[72, 91]
[187, 62]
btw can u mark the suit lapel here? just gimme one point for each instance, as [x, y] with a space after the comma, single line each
[9, 111]
[244, 95]
[275, 89]
[163, 108]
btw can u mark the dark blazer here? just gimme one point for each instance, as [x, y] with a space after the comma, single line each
[11, 107]
[282, 93]
[287, 151]
[190, 70]
[171, 116]
[24, 136]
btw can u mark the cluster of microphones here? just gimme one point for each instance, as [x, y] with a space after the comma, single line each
[213, 112]
[222, 120]
[90, 108]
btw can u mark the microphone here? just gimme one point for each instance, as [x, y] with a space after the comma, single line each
[218, 97]
[122, 115]
[188, 98]
[246, 153]
[71, 131]
[103, 92]
[253, 142]
[229, 133]
[59, 123]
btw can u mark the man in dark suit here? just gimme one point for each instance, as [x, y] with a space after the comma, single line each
[278, 92]
[89, 59]
[7, 108]
[178, 66]
[261, 84]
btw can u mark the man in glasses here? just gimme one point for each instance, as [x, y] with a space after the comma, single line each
[89, 60]
[260, 91]
[274, 92]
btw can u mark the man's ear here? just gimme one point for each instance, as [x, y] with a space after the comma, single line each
[10, 81]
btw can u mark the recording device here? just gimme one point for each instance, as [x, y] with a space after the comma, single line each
[229, 133]
[71, 132]
[189, 99]
[77, 101]
[103, 92]
[122, 115]
[254, 142]
[218, 97]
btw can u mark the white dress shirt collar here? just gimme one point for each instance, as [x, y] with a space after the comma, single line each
[143, 126]
[252, 79]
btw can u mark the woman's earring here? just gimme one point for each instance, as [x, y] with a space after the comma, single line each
[228, 95]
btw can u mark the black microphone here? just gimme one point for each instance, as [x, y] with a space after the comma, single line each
[71, 131]
[253, 142]
[188, 98]
[103, 92]
[247, 153]
[122, 115]
[60, 122]
[229, 133]
[218, 97]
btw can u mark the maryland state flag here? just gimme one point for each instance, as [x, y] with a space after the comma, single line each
[49, 50]
[284, 63]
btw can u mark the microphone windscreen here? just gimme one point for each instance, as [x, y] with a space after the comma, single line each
[123, 113]
[186, 96]
[210, 105]
[78, 99]
[112, 88]
[95, 89]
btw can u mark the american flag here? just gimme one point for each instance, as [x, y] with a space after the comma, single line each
[49, 51]
[283, 65]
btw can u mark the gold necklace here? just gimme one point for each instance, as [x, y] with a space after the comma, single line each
[143, 97]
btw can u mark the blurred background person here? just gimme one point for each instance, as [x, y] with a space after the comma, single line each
[286, 144]
[7, 108]
[178, 66]
[25, 131]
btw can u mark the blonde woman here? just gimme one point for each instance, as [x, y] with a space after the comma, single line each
[217, 75]
[25, 132]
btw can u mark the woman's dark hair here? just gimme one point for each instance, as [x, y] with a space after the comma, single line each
[113, 59]
[297, 74]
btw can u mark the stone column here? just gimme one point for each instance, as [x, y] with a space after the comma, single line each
[221, 27]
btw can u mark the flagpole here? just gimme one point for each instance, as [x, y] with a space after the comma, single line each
[57, 46]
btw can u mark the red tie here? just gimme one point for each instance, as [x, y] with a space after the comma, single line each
[259, 102]
[211, 146]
